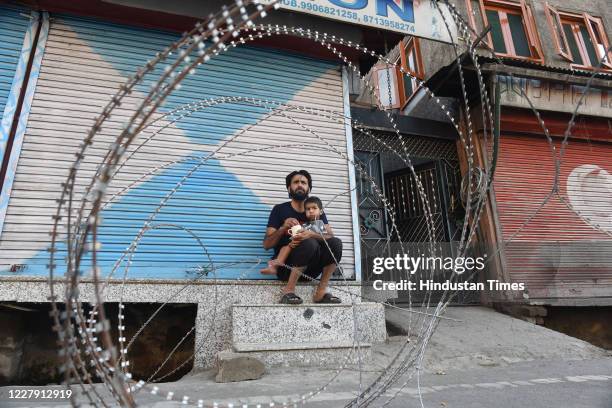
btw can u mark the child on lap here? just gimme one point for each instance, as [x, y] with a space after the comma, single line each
[313, 208]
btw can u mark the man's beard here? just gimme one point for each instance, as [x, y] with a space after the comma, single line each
[298, 195]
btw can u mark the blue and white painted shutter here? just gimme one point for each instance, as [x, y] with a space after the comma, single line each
[13, 26]
[226, 202]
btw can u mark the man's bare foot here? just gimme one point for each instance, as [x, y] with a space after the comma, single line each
[271, 269]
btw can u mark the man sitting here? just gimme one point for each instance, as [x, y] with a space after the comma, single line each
[313, 253]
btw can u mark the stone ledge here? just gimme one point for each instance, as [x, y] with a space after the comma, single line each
[27, 290]
[214, 304]
[275, 282]
[329, 358]
[282, 305]
[312, 345]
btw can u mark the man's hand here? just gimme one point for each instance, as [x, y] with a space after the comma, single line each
[301, 236]
[290, 222]
[274, 236]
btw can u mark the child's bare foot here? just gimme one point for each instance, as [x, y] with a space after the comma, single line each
[271, 269]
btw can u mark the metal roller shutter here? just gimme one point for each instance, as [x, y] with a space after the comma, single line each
[566, 249]
[13, 26]
[226, 202]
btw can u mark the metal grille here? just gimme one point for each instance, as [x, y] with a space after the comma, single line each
[411, 214]
[373, 231]
[421, 147]
[436, 165]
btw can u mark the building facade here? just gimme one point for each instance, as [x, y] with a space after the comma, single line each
[81, 62]
[548, 214]
[264, 108]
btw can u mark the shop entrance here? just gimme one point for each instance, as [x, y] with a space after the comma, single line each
[406, 230]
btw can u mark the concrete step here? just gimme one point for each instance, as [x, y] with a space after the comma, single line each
[291, 324]
[311, 345]
[307, 334]
[307, 324]
[314, 357]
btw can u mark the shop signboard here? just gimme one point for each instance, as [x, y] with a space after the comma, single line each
[420, 18]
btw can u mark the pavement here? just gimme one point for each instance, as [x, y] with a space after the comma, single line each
[475, 336]
[476, 358]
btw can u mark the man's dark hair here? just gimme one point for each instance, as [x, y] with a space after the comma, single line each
[295, 173]
[315, 200]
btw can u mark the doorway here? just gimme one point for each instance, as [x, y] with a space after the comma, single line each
[409, 228]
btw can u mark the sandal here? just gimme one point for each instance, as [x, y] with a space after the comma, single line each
[329, 298]
[291, 299]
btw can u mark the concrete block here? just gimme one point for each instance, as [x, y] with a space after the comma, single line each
[309, 334]
[233, 367]
[307, 326]
[321, 357]
[290, 324]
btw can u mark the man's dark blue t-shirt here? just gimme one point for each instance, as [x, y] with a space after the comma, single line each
[279, 214]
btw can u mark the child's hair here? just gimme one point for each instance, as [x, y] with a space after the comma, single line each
[315, 200]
